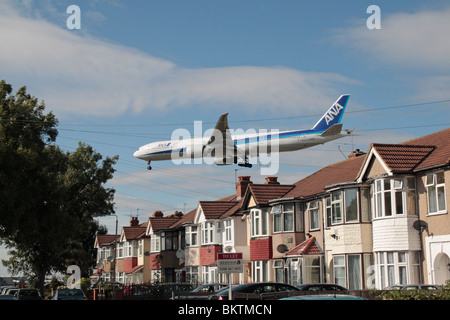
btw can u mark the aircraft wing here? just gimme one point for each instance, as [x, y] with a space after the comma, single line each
[220, 145]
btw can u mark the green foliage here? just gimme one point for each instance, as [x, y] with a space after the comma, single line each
[48, 196]
[441, 294]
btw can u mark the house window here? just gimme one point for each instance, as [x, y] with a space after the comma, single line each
[155, 241]
[228, 231]
[141, 246]
[435, 184]
[347, 271]
[120, 250]
[351, 204]
[279, 270]
[209, 274]
[283, 218]
[389, 197]
[311, 269]
[169, 240]
[313, 209]
[260, 271]
[411, 195]
[191, 236]
[191, 274]
[299, 217]
[336, 207]
[258, 221]
[398, 268]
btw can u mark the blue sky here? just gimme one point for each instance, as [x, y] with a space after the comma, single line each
[137, 70]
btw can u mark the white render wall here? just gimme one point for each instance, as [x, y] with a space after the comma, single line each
[395, 234]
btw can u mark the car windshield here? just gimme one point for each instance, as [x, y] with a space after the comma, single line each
[69, 292]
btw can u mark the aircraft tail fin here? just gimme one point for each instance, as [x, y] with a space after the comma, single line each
[333, 115]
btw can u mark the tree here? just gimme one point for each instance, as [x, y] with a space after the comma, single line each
[24, 132]
[46, 216]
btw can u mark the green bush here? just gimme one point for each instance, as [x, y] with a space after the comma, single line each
[441, 294]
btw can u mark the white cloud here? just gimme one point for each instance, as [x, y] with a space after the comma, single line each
[77, 74]
[418, 39]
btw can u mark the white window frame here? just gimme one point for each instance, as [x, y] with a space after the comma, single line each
[260, 271]
[283, 212]
[313, 214]
[191, 236]
[228, 230]
[397, 267]
[434, 182]
[386, 202]
[335, 203]
[258, 223]
[155, 243]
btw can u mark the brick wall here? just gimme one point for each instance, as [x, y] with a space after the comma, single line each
[260, 249]
[208, 255]
[129, 264]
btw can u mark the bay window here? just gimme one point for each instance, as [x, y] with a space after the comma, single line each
[191, 236]
[155, 241]
[258, 222]
[393, 197]
[397, 267]
[211, 232]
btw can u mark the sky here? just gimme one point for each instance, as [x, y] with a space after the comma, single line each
[135, 71]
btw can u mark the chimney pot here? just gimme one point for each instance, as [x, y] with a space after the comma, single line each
[241, 186]
[272, 180]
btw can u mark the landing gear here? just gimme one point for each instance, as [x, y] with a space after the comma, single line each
[245, 164]
[149, 167]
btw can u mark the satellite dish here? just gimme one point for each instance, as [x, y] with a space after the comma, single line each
[100, 265]
[228, 249]
[110, 258]
[180, 253]
[282, 248]
[146, 253]
[420, 225]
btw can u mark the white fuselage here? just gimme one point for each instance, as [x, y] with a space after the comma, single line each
[248, 145]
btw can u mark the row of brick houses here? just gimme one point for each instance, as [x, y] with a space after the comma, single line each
[373, 220]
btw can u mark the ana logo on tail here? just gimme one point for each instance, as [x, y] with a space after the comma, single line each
[334, 111]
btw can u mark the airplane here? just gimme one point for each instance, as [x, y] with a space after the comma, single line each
[227, 149]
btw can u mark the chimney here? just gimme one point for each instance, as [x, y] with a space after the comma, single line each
[158, 214]
[134, 222]
[355, 154]
[241, 186]
[271, 180]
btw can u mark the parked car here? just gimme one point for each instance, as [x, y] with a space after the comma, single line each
[414, 287]
[28, 294]
[202, 291]
[11, 291]
[324, 297]
[211, 287]
[69, 294]
[322, 287]
[255, 290]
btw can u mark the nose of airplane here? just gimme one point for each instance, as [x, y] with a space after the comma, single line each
[138, 154]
